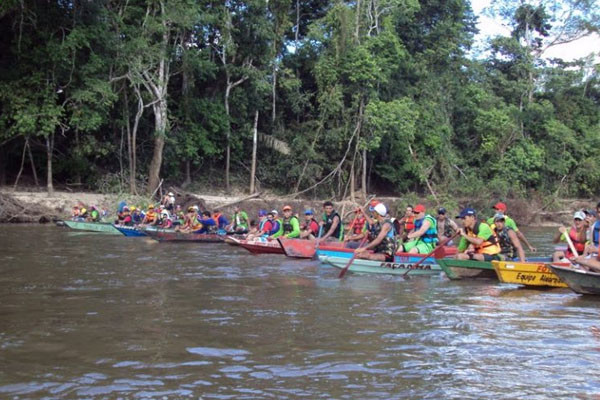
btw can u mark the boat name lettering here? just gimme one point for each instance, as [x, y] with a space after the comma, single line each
[525, 277]
[550, 279]
[392, 265]
[543, 268]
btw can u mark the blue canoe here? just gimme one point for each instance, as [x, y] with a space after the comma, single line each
[130, 231]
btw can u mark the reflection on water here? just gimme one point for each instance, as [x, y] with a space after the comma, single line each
[96, 316]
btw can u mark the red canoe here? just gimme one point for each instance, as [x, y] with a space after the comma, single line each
[303, 248]
[257, 246]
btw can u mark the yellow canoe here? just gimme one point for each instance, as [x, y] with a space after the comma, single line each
[527, 273]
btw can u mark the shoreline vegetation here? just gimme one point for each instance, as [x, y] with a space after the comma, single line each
[36, 206]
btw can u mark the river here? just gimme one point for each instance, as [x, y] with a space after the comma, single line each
[98, 316]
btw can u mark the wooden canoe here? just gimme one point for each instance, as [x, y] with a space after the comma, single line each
[257, 246]
[465, 269]
[578, 280]
[383, 267]
[304, 248]
[172, 236]
[527, 273]
[104, 227]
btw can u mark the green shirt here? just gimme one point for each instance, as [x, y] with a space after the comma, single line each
[240, 219]
[508, 221]
[485, 232]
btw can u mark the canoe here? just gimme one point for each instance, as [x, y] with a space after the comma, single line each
[172, 236]
[527, 273]
[131, 231]
[257, 246]
[461, 269]
[341, 252]
[578, 280]
[304, 248]
[93, 226]
[383, 267]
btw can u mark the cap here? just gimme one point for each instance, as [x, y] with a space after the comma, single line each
[500, 206]
[579, 215]
[419, 208]
[465, 212]
[164, 213]
[150, 206]
[133, 208]
[274, 212]
[285, 208]
[381, 209]
[170, 194]
[126, 208]
[308, 212]
[262, 213]
[195, 207]
[442, 210]
[499, 216]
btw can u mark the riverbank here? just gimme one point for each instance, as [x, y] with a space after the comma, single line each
[38, 206]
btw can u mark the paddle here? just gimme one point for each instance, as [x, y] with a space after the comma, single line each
[441, 244]
[570, 242]
[343, 271]
[318, 240]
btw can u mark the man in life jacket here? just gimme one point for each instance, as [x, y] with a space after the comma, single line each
[151, 217]
[593, 236]
[207, 223]
[125, 218]
[263, 227]
[310, 228]
[501, 208]
[577, 235]
[94, 215]
[510, 245]
[407, 223]
[136, 215]
[190, 220]
[477, 241]
[358, 229]
[289, 227]
[165, 220]
[240, 223]
[220, 220]
[446, 227]
[424, 236]
[382, 235]
[332, 224]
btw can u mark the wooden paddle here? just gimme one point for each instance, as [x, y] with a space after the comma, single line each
[570, 242]
[441, 244]
[318, 239]
[343, 271]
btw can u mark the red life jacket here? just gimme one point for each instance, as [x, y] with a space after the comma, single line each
[358, 225]
[409, 224]
[579, 246]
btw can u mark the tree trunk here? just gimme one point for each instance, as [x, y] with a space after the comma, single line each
[160, 126]
[274, 90]
[22, 164]
[33, 171]
[254, 145]
[228, 135]
[364, 174]
[133, 141]
[49, 151]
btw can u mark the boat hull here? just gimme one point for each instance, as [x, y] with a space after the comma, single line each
[172, 236]
[303, 248]
[382, 267]
[579, 281]
[260, 246]
[527, 273]
[130, 231]
[104, 227]
[399, 257]
[467, 269]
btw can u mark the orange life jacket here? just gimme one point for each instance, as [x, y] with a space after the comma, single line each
[409, 224]
[490, 246]
[358, 225]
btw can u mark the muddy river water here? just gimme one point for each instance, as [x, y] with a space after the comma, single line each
[97, 316]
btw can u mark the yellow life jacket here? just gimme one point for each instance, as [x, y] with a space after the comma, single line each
[490, 246]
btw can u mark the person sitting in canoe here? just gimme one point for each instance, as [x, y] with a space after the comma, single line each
[190, 221]
[446, 227]
[407, 224]
[589, 264]
[510, 245]
[576, 233]
[165, 221]
[424, 237]
[501, 208]
[220, 220]
[136, 215]
[593, 236]
[207, 224]
[382, 235]
[289, 227]
[263, 227]
[94, 215]
[477, 241]
[310, 228]
[75, 213]
[125, 218]
[151, 217]
[357, 230]
[370, 228]
[239, 221]
[332, 224]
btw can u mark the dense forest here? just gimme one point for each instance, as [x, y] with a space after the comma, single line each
[323, 97]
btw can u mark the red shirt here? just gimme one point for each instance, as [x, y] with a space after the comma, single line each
[267, 227]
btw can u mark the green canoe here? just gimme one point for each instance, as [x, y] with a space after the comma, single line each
[93, 227]
[381, 267]
[465, 269]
